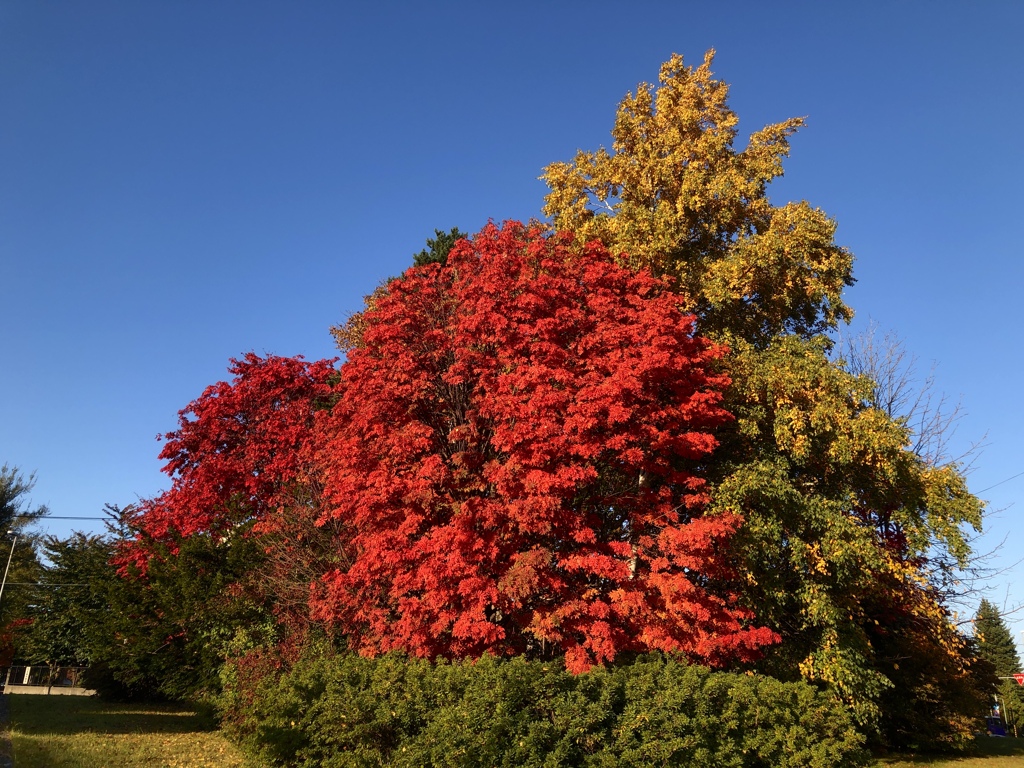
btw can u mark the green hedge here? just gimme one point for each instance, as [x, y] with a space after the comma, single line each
[335, 711]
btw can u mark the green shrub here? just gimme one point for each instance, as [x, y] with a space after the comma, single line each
[344, 711]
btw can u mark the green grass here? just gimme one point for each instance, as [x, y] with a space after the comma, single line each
[991, 753]
[81, 732]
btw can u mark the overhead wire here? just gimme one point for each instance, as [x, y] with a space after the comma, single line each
[1012, 477]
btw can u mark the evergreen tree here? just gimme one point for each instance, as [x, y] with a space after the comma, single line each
[438, 247]
[18, 548]
[995, 642]
[15, 510]
[995, 645]
[66, 611]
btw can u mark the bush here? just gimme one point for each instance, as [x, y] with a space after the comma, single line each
[342, 711]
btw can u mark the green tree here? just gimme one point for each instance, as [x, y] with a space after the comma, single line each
[995, 645]
[19, 547]
[438, 247]
[15, 510]
[841, 517]
[166, 632]
[162, 634]
[66, 617]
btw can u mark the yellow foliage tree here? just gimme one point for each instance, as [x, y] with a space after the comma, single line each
[675, 196]
[841, 515]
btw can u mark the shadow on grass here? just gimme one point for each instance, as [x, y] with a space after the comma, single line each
[984, 746]
[62, 715]
[993, 745]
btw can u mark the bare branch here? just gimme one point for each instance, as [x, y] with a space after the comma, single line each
[899, 391]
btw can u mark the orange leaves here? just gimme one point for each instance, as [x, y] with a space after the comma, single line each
[515, 454]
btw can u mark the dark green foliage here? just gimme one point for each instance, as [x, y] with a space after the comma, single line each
[341, 710]
[438, 247]
[168, 632]
[16, 515]
[70, 601]
[159, 636]
[930, 693]
[995, 642]
[14, 487]
[996, 646]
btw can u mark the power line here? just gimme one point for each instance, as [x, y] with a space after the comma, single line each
[43, 584]
[1014, 477]
[60, 517]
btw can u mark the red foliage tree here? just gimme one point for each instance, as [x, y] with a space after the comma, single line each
[240, 456]
[517, 453]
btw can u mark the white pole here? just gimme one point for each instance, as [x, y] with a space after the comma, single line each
[4, 584]
[8, 568]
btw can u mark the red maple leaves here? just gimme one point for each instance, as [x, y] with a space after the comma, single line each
[510, 462]
[516, 450]
[241, 451]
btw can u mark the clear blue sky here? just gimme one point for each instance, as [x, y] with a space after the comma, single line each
[182, 182]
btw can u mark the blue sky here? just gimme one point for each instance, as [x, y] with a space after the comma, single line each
[184, 182]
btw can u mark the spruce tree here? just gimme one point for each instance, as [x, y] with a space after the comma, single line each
[995, 645]
[438, 247]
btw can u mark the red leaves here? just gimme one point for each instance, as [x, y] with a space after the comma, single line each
[515, 451]
[240, 451]
[512, 464]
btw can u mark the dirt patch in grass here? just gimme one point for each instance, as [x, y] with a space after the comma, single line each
[76, 731]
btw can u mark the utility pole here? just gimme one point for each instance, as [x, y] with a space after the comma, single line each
[4, 584]
[8, 568]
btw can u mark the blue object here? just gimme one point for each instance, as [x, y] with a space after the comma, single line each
[995, 726]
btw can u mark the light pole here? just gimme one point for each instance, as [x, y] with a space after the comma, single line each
[4, 584]
[8, 568]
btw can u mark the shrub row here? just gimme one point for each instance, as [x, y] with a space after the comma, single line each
[342, 711]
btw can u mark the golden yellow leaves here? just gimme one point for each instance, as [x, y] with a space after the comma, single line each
[349, 334]
[674, 196]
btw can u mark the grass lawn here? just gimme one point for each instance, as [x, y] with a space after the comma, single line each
[80, 732]
[83, 732]
[992, 753]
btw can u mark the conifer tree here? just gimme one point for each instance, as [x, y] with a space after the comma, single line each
[995, 645]
[438, 247]
[16, 517]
